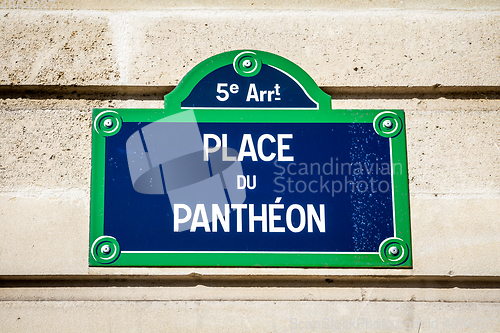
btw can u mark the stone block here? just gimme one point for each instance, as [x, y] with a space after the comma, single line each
[56, 48]
[246, 316]
[337, 48]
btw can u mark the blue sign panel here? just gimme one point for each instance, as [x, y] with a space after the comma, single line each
[318, 197]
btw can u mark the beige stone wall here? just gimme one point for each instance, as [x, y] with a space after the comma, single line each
[440, 62]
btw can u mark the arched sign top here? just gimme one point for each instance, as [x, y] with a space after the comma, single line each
[248, 80]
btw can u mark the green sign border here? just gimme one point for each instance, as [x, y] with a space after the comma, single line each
[324, 114]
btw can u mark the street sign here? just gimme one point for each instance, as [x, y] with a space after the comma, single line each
[248, 165]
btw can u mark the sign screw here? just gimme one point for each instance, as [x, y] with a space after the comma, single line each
[247, 63]
[108, 123]
[105, 249]
[394, 250]
[387, 124]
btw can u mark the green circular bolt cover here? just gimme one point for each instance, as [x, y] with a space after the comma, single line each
[247, 64]
[387, 124]
[394, 251]
[105, 249]
[107, 123]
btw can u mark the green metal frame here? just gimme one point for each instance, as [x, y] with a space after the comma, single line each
[324, 114]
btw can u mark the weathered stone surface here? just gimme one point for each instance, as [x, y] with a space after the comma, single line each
[273, 4]
[246, 316]
[454, 152]
[454, 236]
[45, 148]
[372, 48]
[337, 48]
[47, 234]
[286, 291]
[56, 48]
